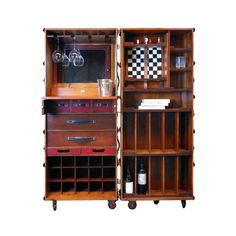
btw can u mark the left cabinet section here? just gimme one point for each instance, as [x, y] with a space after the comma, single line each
[80, 120]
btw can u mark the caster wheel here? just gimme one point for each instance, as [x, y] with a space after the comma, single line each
[156, 202]
[132, 205]
[54, 205]
[111, 204]
[183, 202]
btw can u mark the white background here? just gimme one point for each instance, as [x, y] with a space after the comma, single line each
[22, 209]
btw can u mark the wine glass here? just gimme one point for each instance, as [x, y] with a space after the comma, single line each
[57, 55]
[78, 61]
[66, 61]
[73, 53]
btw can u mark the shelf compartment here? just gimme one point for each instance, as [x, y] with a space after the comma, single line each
[185, 130]
[68, 173]
[68, 161]
[95, 161]
[95, 173]
[109, 172]
[182, 80]
[170, 173]
[185, 174]
[156, 140]
[95, 186]
[128, 132]
[68, 187]
[142, 136]
[54, 173]
[81, 186]
[54, 187]
[170, 130]
[156, 169]
[82, 173]
[109, 161]
[81, 161]
[109, 186]
[179, 99]
[54, 161]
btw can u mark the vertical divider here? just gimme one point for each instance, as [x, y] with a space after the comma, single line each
[88, 174]
[61, 173]
[149, 174]
[163, 131]
[168, 59]
[135, 175]
[135, 131]
[163, 173]
[177, 131]
[149, 131]
[74, 173]
[177, 174]
[102, 173]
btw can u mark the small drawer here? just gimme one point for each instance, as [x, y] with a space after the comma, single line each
[81, 122]
[59, 106]
[81, 106]
[63, 151]
[98, 151]
[81, 138]
[103, 106]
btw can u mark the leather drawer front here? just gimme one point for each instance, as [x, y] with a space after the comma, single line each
[98, 151]
[81, 138]
[63, 151]
[80, 122]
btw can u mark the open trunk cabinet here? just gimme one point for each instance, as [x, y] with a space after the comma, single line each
[81, 131]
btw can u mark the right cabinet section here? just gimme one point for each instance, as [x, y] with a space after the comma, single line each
[157, 115]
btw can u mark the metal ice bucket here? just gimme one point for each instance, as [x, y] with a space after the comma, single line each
[105, 87]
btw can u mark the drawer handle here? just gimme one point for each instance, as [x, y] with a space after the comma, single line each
[63, 150]
[80, 122]
[81, 138]
[98, 150]
[102, 104]
[81, 105]
[62, 104]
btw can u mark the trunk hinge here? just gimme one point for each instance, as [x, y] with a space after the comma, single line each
[118, 194]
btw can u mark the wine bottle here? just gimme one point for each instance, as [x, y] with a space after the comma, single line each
[142, 178]
[129, 184]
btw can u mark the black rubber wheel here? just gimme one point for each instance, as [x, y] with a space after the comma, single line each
[111, 204]
[156, 202]
[132, 205]
[54, 205]
[183, 202]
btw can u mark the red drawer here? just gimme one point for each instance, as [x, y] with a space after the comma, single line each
[63, 151]
[99, 151]
[81, 106]
[60, 106]
[103, 106]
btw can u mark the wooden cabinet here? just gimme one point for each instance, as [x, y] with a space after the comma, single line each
[160, 135]
[82, 149]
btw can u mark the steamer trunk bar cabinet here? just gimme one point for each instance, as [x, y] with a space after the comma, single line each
[82, 149]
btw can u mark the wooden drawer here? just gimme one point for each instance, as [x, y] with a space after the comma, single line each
[98, 151]
[103, 106]
[78, 122]
[81, 138]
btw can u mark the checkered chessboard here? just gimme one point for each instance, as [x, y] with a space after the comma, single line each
[154, 62]
[136, 62]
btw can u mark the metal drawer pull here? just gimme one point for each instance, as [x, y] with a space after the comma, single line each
[63, 105]
[63, 150]
[81, 105]
[102, 104]
[99, 150]
[81, 138]
[80, 122]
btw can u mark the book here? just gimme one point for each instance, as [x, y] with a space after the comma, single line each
[155, 101]
[153, 107]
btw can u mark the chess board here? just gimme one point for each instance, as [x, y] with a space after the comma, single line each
[136, 62]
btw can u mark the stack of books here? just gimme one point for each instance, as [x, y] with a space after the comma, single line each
[149, 104]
